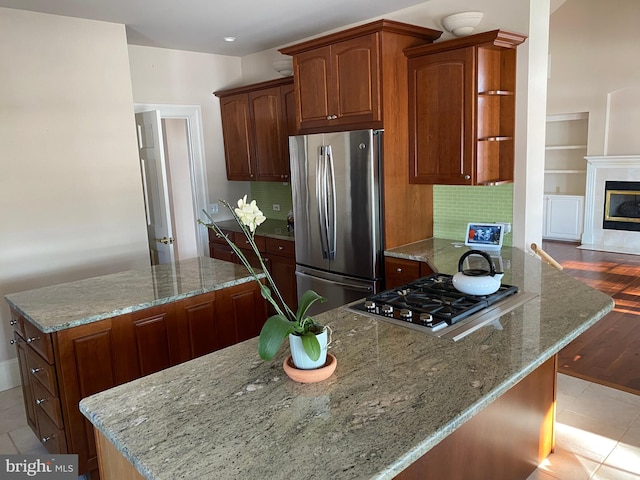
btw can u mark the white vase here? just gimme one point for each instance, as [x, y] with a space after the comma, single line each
[300, 358]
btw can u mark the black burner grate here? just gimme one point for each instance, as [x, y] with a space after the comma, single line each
[434, 295]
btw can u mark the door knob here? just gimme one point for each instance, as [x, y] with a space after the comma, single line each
[165, 240]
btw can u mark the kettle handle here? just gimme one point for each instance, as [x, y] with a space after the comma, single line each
[486, 256]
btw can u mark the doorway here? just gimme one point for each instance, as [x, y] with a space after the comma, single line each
[185, 176]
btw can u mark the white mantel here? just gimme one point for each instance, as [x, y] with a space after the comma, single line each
[600, 169]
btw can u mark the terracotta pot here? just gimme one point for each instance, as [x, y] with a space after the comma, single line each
[310, 376]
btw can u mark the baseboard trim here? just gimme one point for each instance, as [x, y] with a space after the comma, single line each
[9, 374]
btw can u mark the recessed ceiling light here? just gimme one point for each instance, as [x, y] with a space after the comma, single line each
[229, 39]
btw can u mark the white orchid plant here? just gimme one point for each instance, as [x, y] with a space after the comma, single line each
[285, 321]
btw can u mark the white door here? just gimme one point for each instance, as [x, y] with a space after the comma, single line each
[156, 189]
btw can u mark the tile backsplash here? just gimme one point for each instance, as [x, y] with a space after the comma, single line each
[454, 206]
[266, 194]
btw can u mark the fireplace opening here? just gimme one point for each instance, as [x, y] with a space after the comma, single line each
[622, 206]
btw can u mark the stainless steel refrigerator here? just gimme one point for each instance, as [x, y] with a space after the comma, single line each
[335, 181]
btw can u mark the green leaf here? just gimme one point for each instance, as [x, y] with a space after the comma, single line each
[311, 345]
[308, 298]
[273, 333]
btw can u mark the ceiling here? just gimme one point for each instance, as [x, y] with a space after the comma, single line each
[201, 25]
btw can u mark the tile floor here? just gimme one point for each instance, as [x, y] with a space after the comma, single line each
[597, 432]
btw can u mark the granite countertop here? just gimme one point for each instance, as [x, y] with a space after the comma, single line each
[269, 228]
[67, 305]
[395, 393]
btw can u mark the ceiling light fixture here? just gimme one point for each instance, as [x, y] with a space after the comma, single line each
[283, 67]
[462, 24]
[229, 39]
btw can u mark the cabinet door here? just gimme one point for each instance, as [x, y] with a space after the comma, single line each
[236, 130]
[563, 217]
[441, 96]
[153, 335]
[244, 306]
[86, 364]
[339, 85]
[203, 328]
[312, 79]
[269, 133]
[355, 80]
[222, 252]
[283, 272]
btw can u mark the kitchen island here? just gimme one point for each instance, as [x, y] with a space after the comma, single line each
[395, 396]
[79, 338]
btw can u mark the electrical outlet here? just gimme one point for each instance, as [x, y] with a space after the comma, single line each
[214, 208]
[276, 207]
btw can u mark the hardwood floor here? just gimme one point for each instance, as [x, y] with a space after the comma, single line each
[609, 352]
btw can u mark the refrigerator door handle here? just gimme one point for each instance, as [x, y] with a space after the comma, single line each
[321, 188]
[331, 203]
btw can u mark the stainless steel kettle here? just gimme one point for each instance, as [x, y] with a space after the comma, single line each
[477, 281]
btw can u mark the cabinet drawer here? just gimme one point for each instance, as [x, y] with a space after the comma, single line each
[42, 372]
[286, 248]
[213, 238]
[43, 399]
[40, 342]
[241, 241]
[50, 435]
[16, 322]
[402, 269]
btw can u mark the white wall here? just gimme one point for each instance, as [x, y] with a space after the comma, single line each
[165, 76]
[70, 185]
[594, 51]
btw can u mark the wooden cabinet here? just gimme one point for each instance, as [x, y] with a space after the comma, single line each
[366, 70]
[281, 256]
[339, 84]
[399, 271]
[61, 368]
[462, 109]
[338, 77]
[278, 255]
[256, 129]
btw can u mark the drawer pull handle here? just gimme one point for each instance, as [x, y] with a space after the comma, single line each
[35, 370]
[398, 270]
[13, 322]
[13, 341]
[280, 247]
[32, 339]
[46, 439]
[40, 401]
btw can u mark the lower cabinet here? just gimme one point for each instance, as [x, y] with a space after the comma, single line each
[279, 256]
[399, 271]
[90, 358]
[563, 217]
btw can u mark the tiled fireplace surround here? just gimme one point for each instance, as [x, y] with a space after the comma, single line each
[599, 170]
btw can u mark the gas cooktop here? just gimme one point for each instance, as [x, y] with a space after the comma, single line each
[432, 304]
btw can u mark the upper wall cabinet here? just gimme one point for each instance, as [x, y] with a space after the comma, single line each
[256, 128]
[338, 78]
[462, 109]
